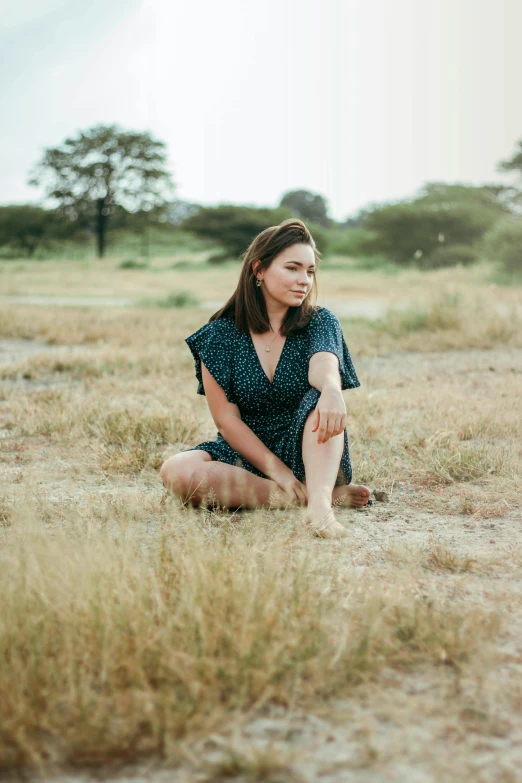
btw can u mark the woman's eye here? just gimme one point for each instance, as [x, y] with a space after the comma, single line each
[293, 269]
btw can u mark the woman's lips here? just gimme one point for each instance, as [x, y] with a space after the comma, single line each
[301, 293]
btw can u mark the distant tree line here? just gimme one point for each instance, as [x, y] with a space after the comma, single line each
[107, 179]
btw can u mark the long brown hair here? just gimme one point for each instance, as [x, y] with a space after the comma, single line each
[247, 304]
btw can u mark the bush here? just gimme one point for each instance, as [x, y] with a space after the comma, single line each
[450, 255]
[178, 299]
[131, 263]
[26, 227]
[503, 244]
[184, 263]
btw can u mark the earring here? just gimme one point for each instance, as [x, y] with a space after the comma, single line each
[258, 281]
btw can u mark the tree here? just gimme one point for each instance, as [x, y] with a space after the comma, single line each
[179, 210]
[25, 227]
[503, 244]
[451, 214]
[307, 205]
[513, 164]
[234, 227]
[101, 169]
[231, 227]
[492, 198]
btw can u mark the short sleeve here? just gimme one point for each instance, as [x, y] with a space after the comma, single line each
[213, 344]
[325, 334]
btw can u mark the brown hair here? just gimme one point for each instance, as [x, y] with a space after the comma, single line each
[247, 303]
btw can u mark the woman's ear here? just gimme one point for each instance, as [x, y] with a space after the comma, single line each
[255, 265]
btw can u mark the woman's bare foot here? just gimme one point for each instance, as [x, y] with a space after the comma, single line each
[321, 519]
[351, 495]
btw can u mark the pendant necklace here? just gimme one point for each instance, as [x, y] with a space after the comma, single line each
[267, 347]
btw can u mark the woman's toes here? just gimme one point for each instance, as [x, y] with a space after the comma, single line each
[334, 531]
[325, 525]
[353, 495]
[363, 493]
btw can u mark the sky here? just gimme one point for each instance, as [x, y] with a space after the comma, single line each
[361, 101]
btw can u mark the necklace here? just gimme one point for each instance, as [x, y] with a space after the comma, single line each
[268, 347]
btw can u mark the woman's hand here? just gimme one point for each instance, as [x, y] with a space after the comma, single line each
[330, 413]
[290, 485]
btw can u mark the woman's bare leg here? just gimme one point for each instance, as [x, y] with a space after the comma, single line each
[201, 481]
[197, 479]
[321, 462]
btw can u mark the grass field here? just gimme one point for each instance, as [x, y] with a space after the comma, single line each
[136, 630]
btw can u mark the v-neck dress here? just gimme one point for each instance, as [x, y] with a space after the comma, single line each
[276, 410]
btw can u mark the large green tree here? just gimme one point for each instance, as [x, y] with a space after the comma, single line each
[102, 168]
[453, 214]
[233, 227]
[308, 206]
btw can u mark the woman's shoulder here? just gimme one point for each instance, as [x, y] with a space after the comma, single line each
[219, 327]
[321, 311]
[322, 315]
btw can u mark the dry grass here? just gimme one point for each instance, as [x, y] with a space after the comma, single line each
[438, 557]
[129, 623]
[254, 765]
[113, 641]
[104, 277]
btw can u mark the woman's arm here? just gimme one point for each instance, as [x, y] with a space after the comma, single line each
[323, 370]
[245, 441]
[238, 435]
[330, 411]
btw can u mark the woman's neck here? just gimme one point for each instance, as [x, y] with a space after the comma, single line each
[276, 314]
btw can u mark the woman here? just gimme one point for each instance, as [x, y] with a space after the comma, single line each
[273, 367]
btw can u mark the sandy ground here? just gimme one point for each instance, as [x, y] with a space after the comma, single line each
[413, 727]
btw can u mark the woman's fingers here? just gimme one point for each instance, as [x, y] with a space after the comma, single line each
[323, 428]
[337, 425]
[332, 427]
[300, 493]
[328, 423]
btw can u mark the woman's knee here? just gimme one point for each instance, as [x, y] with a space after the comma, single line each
[179, 471]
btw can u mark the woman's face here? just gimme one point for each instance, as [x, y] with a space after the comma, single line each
[290, 275]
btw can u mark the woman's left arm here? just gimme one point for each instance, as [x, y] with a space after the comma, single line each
[330, 411]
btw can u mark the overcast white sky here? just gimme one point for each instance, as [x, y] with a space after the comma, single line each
[362, 101]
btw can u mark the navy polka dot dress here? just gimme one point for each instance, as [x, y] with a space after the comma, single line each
[276, 411]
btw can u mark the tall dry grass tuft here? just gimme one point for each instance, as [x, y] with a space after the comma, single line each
[129, 441]
[116, 641]
[124, 438]
[445, 458]
[444, 313]
[241, 761]
[443, 319]
[441, 558]
[435, 556]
